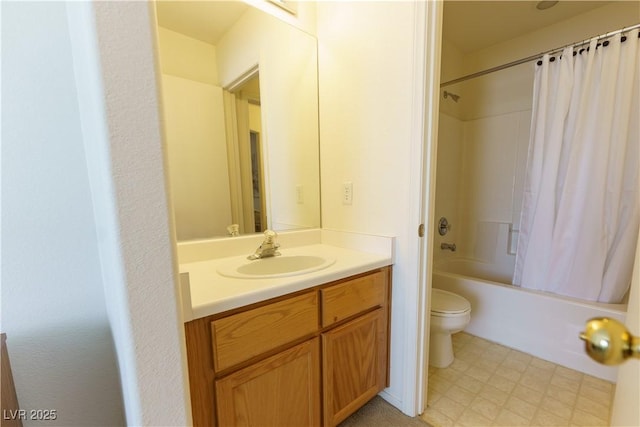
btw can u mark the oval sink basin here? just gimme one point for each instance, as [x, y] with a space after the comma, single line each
[278, 266]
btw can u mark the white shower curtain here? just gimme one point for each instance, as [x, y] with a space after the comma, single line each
[580, 211]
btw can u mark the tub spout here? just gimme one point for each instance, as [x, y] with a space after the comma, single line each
[449, 246]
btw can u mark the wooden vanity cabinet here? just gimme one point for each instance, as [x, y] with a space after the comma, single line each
[310, 358]
[282, 390]
[354, 367]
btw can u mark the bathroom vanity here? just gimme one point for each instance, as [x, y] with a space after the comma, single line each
[304, 350]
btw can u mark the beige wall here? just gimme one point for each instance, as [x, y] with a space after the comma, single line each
[187, 57]
[197, 152]
[195, 136]
[368, 80]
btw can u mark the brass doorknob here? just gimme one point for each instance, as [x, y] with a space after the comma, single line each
[607, 341]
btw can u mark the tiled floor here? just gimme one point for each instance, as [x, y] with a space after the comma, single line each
[492, 385]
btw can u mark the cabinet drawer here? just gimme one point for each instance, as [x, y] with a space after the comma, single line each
[242, 336]
[352, 297]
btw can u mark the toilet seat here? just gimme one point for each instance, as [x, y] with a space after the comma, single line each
[445, 304]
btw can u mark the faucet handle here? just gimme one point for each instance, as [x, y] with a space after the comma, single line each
[270, 235]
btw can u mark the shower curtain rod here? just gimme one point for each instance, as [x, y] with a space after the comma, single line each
[532, 57]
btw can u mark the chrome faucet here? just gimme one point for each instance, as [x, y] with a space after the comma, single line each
[268, 248]
[450, 246]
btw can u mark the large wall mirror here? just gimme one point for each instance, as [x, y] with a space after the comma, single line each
[240, 105]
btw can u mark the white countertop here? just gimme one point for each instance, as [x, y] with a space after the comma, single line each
[206, 292]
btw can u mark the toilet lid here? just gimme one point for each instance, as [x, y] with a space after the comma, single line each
[448, 302]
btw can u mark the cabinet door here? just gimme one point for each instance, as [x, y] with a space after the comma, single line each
[354, 358]
[283, 390]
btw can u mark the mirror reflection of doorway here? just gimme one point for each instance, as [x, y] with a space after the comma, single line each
[260, 217]
[245, 154]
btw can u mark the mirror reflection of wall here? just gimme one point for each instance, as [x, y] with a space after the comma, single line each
[240, 107]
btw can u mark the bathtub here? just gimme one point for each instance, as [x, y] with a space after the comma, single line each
[542, 324]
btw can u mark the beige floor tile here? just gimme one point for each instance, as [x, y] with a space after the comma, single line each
[449, 374]
[569, 373]
[487, 364]
[497, 352]
[543, 364]
[501, 383]
[478, 373]
[508, 373]
[543, 418]
[597, 383]
[516, 365]
[556, 407]
[439, 384]
[509, 419]
[533, 382]
[527, 394]
[489, 384]
[437, 418]
[433, 396]
[491, 393]
[594, 408]
[460, 395]
[595, 395]
[519, 356]
[469, 355]
[583, 419]
[449, 407]
[461, 338]
[562, 394]
[485, 407]
[520, 407]
[569, 384]
[495, 356]
[470, 384]
[479, 342]
[459, 365]
[539, 372]
[471, 418]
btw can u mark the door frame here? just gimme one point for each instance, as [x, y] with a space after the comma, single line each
[431, 41]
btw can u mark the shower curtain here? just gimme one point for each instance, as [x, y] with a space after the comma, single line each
[580, 211]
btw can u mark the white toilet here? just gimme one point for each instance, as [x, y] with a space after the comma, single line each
[450, 313]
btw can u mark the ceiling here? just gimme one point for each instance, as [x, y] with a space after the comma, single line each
[469, 25]
[206, 21]
[475, 25]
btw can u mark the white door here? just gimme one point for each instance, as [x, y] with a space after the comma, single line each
[625, 404]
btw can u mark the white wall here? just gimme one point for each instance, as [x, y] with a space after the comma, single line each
[367, 86]
[53, 303]
[118, 85]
